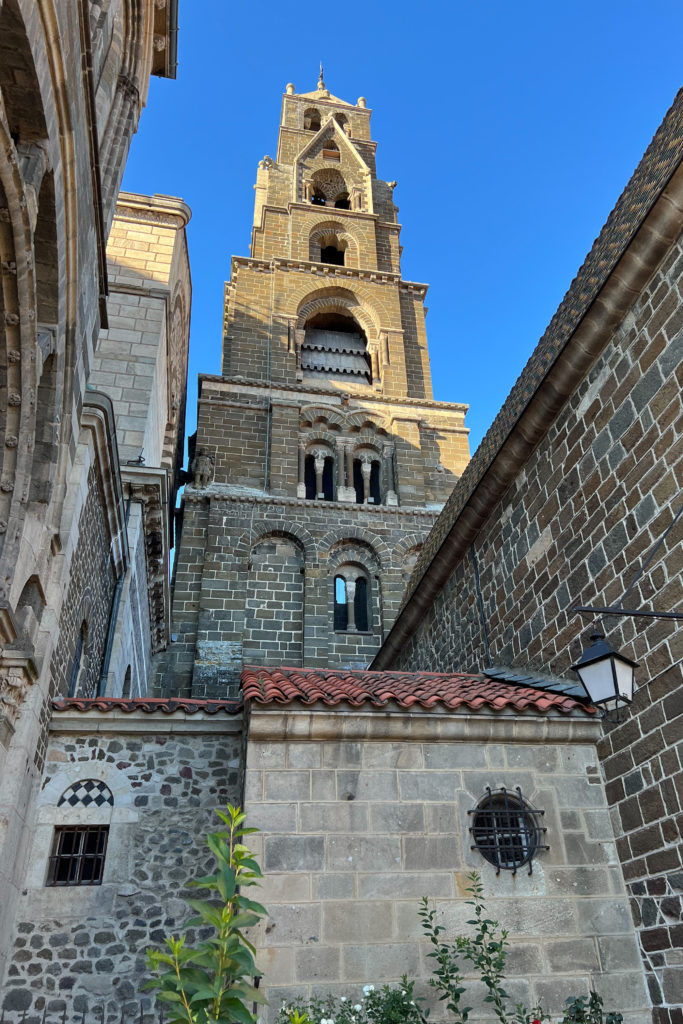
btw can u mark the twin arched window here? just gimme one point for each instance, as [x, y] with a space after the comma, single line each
[351, 601]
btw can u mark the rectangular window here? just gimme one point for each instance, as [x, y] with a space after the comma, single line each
[78, 855]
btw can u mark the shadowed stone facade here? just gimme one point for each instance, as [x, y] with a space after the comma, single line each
[84, 538]
[320, 459]
[166, 773]
[576, 486]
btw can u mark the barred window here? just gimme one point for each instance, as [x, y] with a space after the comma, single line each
[506, 830]
[78, 855]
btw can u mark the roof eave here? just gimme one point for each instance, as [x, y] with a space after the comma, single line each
[655, 235]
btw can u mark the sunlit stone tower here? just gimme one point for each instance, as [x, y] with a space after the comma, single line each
[320, 460]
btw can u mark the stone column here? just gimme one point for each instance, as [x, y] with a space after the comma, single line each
[345, 491]
[340, 467]
[390, 496]
[301, 483]
[366, 470]
[350, 606]
[319, 467]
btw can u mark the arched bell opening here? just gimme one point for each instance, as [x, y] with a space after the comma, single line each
[311, 119]
[335, 345]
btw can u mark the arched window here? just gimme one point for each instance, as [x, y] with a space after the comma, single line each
[342, 201]
[341, 615]
[79, 664]
[312, 119]
[331, 254]
[366, 481]
[343, 121]
[78, 850]
[360, 605]
[351, 601]
[319, 476]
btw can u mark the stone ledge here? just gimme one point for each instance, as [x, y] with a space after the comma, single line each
[509, 727]
[220, 492]
[141, 722]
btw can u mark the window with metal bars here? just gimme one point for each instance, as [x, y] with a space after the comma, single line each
[78, 855]
[506, 830]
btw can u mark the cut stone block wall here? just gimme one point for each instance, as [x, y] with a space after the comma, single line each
[86, 945]
[364, 812]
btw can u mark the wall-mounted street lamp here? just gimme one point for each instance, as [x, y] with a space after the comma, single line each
[606, 675]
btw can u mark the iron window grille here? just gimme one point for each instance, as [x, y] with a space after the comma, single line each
[506, 830]
[78, 855]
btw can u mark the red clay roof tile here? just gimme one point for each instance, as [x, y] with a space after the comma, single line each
[450, 690]
[167, 705]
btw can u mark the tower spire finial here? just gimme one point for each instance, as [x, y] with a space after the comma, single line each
[321, 84]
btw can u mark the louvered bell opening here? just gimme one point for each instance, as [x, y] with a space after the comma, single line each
[338, 353]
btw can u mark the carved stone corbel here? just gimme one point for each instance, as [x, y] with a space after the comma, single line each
[17, 673]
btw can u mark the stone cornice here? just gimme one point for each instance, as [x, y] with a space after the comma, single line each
[418, 404]
[326, 270]
[156, 209]
[308, 723]
[223, 492]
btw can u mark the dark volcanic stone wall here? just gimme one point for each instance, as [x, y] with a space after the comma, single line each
[573, 529]
[85, 946]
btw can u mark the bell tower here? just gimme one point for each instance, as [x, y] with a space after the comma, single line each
[321, 460]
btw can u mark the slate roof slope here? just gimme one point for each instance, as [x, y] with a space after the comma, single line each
[655, 169]
[451, 691]
[165, 705]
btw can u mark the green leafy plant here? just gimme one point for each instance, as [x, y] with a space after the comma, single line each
[487, 950]
[588, 1011]
[212, 980]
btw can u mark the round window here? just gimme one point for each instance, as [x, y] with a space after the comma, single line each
[505, 830]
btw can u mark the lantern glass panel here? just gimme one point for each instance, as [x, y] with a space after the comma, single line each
[624, 679]
[598, 680]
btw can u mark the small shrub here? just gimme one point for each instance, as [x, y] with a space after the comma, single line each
[212, 981]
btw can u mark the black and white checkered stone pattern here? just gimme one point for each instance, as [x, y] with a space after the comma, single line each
[87, 792]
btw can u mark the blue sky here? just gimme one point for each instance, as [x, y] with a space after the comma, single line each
[510, 128]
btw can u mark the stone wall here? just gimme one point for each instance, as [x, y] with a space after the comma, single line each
[579, 520]
[365, 812]
[88, 600]
[233, 593]
[85, 945]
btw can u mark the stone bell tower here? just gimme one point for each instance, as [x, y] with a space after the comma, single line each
[321, 460]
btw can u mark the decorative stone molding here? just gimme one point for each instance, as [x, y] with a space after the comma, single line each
[98, 418]
[149, 487]
[18, 672]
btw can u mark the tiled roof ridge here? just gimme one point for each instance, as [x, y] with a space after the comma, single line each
[654, 170]
[449, 691]
[166, 705]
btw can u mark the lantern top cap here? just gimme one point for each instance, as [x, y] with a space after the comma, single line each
[598, 650]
